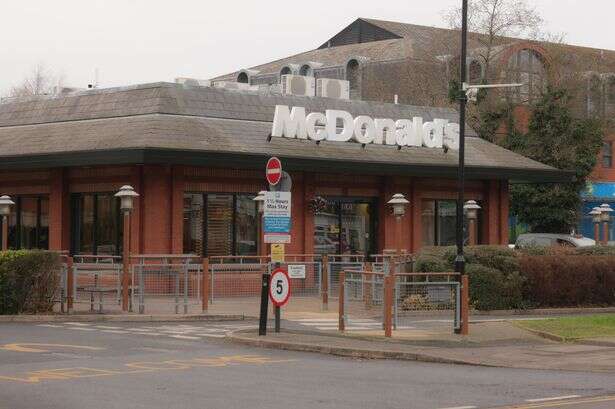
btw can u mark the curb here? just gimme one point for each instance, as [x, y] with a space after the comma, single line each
[347, 351]
[544, 311]
[118, 318]
[578, 341]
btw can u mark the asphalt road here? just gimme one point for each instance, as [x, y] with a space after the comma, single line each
[158, 365]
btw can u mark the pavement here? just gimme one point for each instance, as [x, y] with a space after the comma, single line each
[490, 343]
[180, 365]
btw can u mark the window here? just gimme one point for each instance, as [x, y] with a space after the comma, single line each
[439, 223]
[594, 95]
[610, 90]
[526, 67]
[96, 224]
[607, 154]
[475, 72]
[352, 76]
[29, 223]
[243, 78]
[220, 224]
[286, 71]
[306, 71]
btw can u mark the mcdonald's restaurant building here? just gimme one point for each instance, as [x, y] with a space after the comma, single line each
[197, 155]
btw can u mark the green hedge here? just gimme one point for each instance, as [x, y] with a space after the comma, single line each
[29, 280]
[504, 278]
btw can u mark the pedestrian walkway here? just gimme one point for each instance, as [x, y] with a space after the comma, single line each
[177, 331]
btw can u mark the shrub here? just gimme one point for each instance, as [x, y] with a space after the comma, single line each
[431, 264]
[28, 281]
[491, 289]
[570, 281]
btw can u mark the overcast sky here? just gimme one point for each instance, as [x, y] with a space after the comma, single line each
[138, 41]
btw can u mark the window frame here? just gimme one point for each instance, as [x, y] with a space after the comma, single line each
[607, 154]
[16, 243]
[205, 224]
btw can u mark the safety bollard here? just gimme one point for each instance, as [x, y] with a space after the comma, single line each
[324, 283]
[205, 284]
[70, 284]
[341, 298]
[465, 305]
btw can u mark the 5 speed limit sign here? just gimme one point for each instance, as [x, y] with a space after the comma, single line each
[279, 287]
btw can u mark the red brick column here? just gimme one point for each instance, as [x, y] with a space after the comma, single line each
[59, 211]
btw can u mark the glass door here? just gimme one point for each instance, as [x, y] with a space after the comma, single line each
[345, 226]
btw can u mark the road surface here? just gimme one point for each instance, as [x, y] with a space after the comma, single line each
[190, 365]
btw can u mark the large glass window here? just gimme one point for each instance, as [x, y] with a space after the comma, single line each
[344, 226]
[29, 223]
[439, 223]
[526, 67]
[607, 154]
[220, 224]
[97, 225]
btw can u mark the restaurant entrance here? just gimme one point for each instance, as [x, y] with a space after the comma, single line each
[345, 226]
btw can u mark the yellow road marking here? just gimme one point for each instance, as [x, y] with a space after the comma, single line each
[27, 347]
[564, 403]
[141, 367]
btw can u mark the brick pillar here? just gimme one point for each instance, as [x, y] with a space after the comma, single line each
[136, 225]
[493, 212]
[387, 224]
[309, 192]
[415, 213]
[177, 209]
[59, 211]
[504, 207]
[157, 207]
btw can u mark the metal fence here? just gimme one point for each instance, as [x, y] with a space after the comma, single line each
[416, 295]
[361, 299]
[96, 285]
[160, 286]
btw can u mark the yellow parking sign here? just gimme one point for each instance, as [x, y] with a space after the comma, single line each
[277, 253]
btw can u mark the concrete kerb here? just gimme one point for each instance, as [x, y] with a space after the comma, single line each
[118, 318]
[363, 353]
[553, 337]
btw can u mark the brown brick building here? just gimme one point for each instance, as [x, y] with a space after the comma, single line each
[385, 59]
[196, 156]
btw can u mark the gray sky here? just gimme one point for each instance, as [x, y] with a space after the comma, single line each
[137, 41]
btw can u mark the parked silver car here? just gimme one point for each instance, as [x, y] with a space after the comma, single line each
[549, 239]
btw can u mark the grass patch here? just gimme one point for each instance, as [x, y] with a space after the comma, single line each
[571, 328]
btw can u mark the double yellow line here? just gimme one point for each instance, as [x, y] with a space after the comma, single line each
[559, 404]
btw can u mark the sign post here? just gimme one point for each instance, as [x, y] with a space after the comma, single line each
[279, 292]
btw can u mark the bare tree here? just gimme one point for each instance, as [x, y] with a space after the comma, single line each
[495, 20]
[40, 81]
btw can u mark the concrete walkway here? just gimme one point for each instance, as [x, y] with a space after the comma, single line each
[498, 344]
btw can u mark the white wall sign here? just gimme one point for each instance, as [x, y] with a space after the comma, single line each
[294, 123]
[296, 270]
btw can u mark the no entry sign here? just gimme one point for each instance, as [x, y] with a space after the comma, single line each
[279, 287]
[273, 170]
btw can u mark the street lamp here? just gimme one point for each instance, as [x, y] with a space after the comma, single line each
[398, 203]
[260, 205]
[596, 215]
[5, 211]
[126, 195]
[471, 209]
[606, 218]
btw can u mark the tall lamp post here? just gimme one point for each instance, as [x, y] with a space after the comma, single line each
[606, 218]
[260, 204]
[596, 215]
[471, 209]
[126, 195]
[5, 211]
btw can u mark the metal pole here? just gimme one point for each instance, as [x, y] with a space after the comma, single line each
[205, 284]
[126, 261]
[597, 232]
[460, 259]
[605, 233]
[5, 233]
[262, 323]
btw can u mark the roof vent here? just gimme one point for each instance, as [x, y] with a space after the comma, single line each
[333, 88]
[193, 82]
[298, 85]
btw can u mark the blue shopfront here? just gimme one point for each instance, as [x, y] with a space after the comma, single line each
[594, 195]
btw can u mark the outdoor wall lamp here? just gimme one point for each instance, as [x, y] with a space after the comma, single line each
[126, 195]
[398, 202]
[5, 211]
[260, 200]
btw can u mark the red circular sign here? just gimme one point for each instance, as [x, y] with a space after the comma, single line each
[279, 287]
[273, 170]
